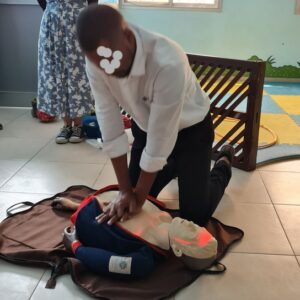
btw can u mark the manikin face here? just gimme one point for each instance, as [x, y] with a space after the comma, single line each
[187, 238]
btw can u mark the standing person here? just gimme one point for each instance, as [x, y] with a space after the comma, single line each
[63, 88]
[150, 77]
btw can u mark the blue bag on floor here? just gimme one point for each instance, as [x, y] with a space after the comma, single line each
[91, 127]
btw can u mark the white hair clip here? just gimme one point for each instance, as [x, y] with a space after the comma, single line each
[109, 66]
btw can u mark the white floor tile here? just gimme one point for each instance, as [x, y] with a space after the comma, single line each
[290, 218]
[51, 177]
[298, 258]
[106, 177]
[9, 114]
[64, 289]
[27, 127]
[283, 187]
[8, 168]
[12, 148]
[292, 165]
[9, 199]
[249, 277]
[263, 231]
[18, 282]
[81, 153]
[247, 187]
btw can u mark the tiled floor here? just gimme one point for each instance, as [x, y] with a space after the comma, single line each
[264, 203]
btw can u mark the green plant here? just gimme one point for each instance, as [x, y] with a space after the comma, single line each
[286, 71]
[271, 60]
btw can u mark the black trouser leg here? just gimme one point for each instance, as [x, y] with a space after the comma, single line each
[200, 190]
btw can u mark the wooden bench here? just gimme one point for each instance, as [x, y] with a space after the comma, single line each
[229, 82]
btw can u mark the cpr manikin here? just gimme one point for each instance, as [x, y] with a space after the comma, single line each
[132, 248]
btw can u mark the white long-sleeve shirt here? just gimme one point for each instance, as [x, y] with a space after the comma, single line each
[161, 93]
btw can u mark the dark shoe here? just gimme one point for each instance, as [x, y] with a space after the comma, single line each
[77, 135]
[69, 237]
[64, 135]
[227, 151]
[34, 108]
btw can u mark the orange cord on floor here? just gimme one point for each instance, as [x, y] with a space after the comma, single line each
[260, 146]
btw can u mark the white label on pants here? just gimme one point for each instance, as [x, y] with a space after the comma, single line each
[120, 264]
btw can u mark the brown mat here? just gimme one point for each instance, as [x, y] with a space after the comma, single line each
[34, 237]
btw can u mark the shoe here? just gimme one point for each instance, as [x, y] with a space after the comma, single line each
[64, 135]
[43, 117]
[34, 108]
[77, 134]
[227, 151]
[69, 237]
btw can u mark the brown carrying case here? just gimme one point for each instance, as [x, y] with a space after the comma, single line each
[34, 237]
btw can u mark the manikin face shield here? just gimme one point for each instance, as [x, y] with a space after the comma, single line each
[110, 60]
[189, 239]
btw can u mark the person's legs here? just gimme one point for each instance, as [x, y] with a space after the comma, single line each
[77, 121]
[65, 132]
[200, 190]
[77, 131]
[79, 100]
[67, 121]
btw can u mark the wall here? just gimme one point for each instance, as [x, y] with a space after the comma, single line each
[240, 30]
[19, 27]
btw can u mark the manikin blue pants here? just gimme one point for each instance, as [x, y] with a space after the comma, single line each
[108, 250]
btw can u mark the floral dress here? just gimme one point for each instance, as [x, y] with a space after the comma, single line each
[63, 87]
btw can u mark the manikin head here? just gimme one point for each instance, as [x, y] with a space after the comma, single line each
[194, 244]
[106, 39]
